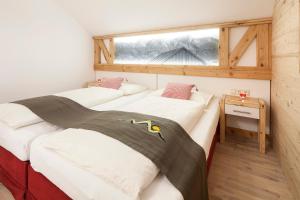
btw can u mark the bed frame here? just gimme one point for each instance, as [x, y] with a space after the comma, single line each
[39, 187]
[13, 174]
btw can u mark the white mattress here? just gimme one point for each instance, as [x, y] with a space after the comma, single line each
[73, 180]
[18, 141]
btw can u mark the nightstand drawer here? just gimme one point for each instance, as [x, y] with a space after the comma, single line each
[242, 111]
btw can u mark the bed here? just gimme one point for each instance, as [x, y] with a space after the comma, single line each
[15, 142]
[53, 177]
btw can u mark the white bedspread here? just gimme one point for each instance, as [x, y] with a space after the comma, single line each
[16, 116]
[18, 141]
[72, 179]
[105, 156]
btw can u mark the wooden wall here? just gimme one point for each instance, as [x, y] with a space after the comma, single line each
[285, 89]
[258, 31]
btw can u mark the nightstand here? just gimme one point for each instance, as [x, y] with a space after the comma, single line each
[250, 107]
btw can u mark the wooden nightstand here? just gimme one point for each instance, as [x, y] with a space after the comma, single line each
[251, 107]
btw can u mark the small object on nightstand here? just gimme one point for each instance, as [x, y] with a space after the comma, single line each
[244, 107]
[92, 84]
[243, 95]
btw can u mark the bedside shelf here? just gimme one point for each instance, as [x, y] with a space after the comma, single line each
[251, 108]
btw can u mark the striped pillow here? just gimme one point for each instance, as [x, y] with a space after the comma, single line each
[114, 83]
[178, 91]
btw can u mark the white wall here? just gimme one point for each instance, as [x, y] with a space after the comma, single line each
[42, 50]
[113, 16]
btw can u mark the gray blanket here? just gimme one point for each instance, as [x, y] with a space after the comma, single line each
[163, 141]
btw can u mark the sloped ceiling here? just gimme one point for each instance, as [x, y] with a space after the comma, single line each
[100, 17]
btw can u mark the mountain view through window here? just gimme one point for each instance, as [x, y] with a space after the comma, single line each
[199, 47]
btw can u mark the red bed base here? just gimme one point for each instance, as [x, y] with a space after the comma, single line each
[40, 188]
[13, 174]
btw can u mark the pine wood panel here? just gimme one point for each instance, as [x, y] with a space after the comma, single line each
[285, 89]
[222, 71]
[258, 28]
[97, 56]
[242, 46]
[262, 46]
[105, 51]
[224, 47]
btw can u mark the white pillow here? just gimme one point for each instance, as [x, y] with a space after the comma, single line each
[198, 96]
[130, 88]
[201, 96]
[16, 115]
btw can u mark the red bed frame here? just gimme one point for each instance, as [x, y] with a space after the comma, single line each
[13, 173]
[40, 188]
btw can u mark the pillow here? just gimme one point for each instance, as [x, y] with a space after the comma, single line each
[202, 97]
[198, 96]
[130, 88]
[178, 91]
[114, 83]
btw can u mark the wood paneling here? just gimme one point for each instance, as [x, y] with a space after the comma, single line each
[227, 60]
[242, 46]
[222, 71]
[262, 46]
[285, 89]
[97, 55]
[224, 47]
[105, 51]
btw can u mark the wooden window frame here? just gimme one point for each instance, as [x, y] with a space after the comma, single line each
[259, 29]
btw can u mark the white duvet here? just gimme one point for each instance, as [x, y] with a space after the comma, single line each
[111, 160]
[16, 115]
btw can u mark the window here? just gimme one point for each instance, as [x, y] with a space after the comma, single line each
[199, 47]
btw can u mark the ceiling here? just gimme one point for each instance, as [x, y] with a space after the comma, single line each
[100, 17]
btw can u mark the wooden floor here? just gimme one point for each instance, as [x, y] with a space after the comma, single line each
[238, 172]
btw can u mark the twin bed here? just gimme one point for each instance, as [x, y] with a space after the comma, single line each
[55, 173]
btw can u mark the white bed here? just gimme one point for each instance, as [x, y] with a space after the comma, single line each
[18, 141]
[73, 180]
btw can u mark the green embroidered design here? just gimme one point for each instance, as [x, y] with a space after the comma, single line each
[154, 129]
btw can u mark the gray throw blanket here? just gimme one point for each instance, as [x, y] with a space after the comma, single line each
[163, 141]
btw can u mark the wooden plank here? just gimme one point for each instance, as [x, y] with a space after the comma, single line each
[242, 46]
[224, 47]
[97, 55]
[112, 50]
[262, 46]
[270, 45]
[241, 132]
[222, 71]
[262, 126]
[248, 102]
[105, 52]
[239, 23]
[285, 89]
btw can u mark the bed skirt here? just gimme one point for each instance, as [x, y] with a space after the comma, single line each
[13, 174]
[40, 188]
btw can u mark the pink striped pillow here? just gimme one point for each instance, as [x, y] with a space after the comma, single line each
[114, 83]
[178, 91]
